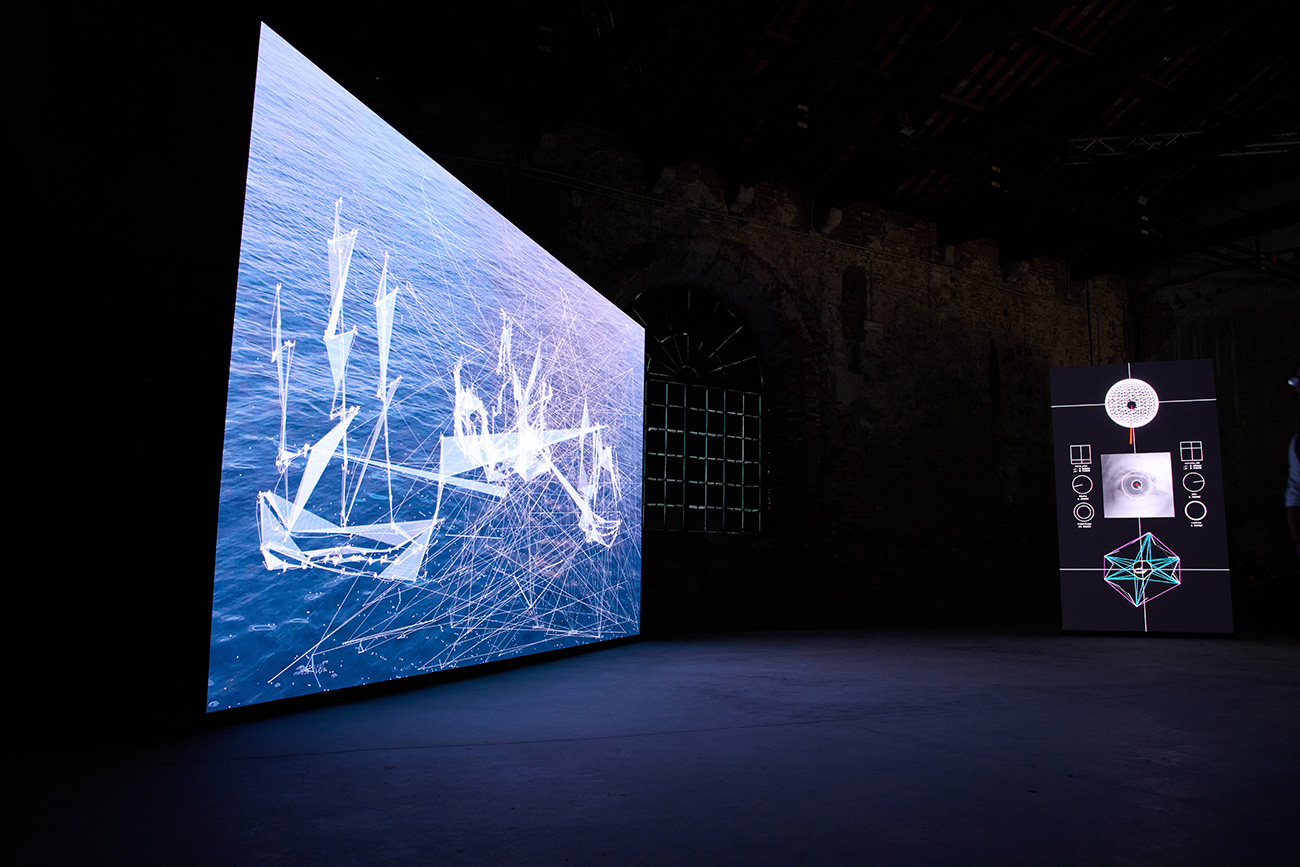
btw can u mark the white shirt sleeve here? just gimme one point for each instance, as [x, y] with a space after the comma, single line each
[1293, 477]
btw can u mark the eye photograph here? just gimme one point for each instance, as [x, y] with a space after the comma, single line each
[1137, 485]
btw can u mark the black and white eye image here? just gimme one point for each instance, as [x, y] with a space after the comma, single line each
[1137, 485]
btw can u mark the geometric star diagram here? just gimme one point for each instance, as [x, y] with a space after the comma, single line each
[1143, 569]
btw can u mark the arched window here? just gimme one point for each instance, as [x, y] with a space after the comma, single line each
[703, 458]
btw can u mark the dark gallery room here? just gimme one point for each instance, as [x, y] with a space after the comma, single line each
[569, 432]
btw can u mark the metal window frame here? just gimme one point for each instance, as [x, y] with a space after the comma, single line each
[703, 458]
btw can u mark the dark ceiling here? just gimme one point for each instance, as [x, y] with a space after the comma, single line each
[1116, 132]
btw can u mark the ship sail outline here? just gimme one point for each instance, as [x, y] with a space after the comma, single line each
[480, 457]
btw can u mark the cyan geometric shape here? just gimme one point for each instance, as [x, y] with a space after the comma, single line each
[1143, 569]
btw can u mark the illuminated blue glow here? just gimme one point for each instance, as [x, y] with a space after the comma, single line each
[433, 429]
[1143, 569]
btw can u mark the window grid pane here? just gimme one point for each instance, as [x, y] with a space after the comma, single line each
[702, 458]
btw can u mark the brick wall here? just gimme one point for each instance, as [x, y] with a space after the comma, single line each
[907, 431]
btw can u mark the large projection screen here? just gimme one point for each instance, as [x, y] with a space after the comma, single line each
[1139, 492]
[433, 428]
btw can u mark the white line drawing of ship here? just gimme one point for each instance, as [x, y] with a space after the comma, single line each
[489, 451]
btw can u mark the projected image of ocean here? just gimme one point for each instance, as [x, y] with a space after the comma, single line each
[433, 429]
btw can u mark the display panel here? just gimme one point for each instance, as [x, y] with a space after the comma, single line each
[1140, 498]
[433, 428]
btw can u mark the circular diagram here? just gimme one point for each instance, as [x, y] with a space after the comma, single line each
[1132, 403]
[1081, 484]
[1194, 482]
[1195, 510]
[1137, 484]
[1084, 512]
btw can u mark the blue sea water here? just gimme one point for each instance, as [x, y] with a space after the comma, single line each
[503, 576]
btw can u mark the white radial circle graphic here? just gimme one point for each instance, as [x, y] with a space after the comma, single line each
[1131, 403]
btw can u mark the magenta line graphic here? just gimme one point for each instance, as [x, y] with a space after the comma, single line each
[1143, 569]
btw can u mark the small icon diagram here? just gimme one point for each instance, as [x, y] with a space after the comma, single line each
[1081, 455]
[1195, 510]
[1081, 484]
[1084, 512]
[1194, 482]
[1190, 451]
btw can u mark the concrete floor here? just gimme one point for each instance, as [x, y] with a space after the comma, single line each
[811, 748]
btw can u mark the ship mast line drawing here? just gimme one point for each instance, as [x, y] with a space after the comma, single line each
[432, 452]
[521, 451]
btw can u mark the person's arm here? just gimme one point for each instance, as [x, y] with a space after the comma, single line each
[1293, 492]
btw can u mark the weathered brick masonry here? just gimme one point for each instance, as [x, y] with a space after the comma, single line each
[907, 430]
